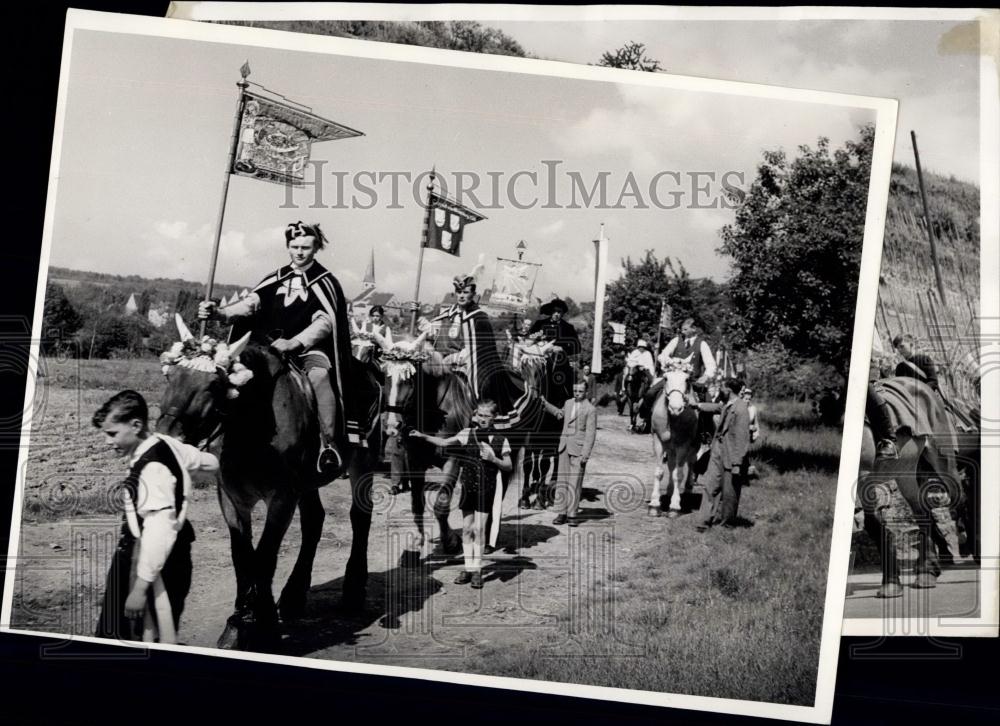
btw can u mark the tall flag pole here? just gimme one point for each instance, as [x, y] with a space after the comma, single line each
[600, 284]
[420, 255]
[242, 85]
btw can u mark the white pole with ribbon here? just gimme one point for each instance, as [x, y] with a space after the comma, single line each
[600, 284]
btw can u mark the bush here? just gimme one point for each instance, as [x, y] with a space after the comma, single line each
[773, 371]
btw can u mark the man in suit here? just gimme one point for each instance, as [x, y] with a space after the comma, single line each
[576, 443]
[729, 445]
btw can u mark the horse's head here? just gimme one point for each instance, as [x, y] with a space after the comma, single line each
[532, 362]
[201, 377]
[402, 365]
[676, 375]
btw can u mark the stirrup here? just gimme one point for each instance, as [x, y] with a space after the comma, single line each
[329, 461]
[886, 449]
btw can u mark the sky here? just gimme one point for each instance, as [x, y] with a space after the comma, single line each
[148, 121]
[937, 88]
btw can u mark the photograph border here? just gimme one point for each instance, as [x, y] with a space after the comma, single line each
[885, 109]
[987, 623]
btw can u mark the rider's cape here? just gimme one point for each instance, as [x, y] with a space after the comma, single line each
[488, 376]
[287, 307]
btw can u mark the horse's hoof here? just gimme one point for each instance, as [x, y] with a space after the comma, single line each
[654, 512]
[291, 607]
[924, 581]
[890, 590]
[394, 490]
[673, 514]
[230, 638]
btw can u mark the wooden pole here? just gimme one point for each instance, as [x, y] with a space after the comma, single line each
[242, 85]
[420, 255]
[927, 220]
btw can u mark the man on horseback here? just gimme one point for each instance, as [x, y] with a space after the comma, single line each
[462, 333]
[556, 329]
[689, 346]
[303, 305]
[915, 364]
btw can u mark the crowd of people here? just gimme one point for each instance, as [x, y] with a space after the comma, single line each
[301, 312]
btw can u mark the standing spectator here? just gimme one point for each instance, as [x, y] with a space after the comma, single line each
[576, 443]
[747, 395]
[721, 499]
[591, 380]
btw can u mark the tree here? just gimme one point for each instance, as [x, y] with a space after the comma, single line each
[795, 247]
[635, 299]
[631, 56]
[60, 320]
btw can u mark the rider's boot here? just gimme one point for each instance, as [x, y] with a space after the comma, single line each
[330, 462]
[881, 422]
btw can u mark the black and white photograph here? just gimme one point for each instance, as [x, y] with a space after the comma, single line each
[469, 368]
[926, 539]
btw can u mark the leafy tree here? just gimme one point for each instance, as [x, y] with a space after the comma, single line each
[795, 247]
[60, 320]
[636, 297]
[631, 56]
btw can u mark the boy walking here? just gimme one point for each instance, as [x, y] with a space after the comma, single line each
[485, 454]
[150, 573]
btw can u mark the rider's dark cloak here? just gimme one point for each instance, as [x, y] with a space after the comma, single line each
[284, 313]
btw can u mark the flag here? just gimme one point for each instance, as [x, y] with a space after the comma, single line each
[665, 315]
[445, 222]
[618, 333]
[275, 139]
[513, 284]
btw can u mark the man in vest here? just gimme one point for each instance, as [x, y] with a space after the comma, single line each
[691, 347]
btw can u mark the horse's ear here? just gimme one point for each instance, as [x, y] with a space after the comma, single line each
[236, 348]
[182, 328]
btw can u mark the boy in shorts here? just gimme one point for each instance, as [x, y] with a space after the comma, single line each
[484, 454]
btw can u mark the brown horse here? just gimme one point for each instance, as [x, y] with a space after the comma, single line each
[925, 473]
[270, 441]
[675, 440]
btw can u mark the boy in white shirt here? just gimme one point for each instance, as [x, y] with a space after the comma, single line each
[150, 573]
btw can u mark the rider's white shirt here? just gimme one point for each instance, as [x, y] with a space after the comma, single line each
[644, 358]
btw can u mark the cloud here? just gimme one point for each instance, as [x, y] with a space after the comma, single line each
[171, 230]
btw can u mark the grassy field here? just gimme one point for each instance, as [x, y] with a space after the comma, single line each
[625, 600]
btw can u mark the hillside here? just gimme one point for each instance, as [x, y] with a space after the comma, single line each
[465, 35]
[908, 298]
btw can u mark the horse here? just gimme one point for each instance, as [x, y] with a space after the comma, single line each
[675, 427]
[422, 393]
[636, 383]
[269, 446]
[925, 473]
[425, 398]
[541, 445]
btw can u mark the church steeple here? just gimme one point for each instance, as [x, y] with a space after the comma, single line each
[369, 281]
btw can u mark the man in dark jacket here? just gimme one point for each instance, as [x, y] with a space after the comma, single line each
[730, 444]
[555, 328]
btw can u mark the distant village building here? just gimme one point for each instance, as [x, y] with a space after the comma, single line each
[158, 318]
[369, 297]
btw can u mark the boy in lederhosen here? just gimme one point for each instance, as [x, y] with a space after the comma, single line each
[484, 454]
[150, 573]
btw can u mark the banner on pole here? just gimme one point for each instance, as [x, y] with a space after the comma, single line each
[275, 139]
[513, 284]
[666, 314]
[445, 222]
[617, 333]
